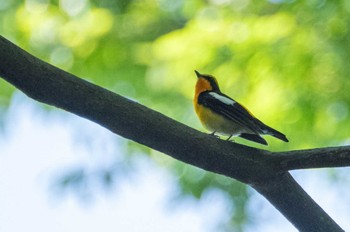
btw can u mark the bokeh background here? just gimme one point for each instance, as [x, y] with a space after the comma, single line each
[287, 61]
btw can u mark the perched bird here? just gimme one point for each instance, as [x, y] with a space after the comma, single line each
[221, 114]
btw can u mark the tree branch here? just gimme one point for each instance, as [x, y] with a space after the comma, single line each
[259, 168]
[48, 84]
[313, 158]
[295, 204]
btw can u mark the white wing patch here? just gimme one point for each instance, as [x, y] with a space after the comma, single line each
[223, 99]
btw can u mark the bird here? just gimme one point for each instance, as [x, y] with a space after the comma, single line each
[221, 114]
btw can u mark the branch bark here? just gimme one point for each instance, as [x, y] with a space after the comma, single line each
[263, 170]
[313, 158]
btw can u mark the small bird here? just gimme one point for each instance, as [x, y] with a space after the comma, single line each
[221, 114]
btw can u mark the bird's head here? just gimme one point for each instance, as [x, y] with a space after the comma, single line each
[206, 82]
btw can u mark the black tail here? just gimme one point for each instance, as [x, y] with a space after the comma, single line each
[254, 138]
[270, 131]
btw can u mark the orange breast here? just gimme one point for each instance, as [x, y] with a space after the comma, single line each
[202, 85]
[215, 122]
[210, 120]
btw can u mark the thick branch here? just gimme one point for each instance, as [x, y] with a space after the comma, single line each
[295, 204]
[50, 85]
[313, 158]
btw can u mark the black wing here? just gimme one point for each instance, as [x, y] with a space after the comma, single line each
[254, 137]
[235, 112]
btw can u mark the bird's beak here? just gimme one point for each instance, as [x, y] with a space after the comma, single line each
[197, 73]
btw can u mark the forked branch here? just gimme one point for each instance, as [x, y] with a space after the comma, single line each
[263, 170]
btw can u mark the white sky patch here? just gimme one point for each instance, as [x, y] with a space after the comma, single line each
[223, 99]
[36, 144]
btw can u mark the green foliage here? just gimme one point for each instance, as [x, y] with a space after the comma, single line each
[285, 60]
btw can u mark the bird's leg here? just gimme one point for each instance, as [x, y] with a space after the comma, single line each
[228, 139]
[213, 134]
